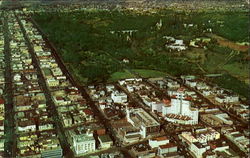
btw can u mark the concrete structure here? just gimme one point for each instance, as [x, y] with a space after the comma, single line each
[83, 143]
[181, 110]
[105, 141]
[119, 97]
[140, 118]
[156, 142]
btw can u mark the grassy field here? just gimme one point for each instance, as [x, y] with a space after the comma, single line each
[120, 75]
[87, 39]
[149, 73]
[136, 72]
[230, 44]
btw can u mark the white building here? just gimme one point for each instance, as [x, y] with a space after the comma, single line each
[167, 148]
[173, 84]
[140, 118]
[178, 45]
[206, 134]
[155, 105]
[83, 143]
[119, 97]
[223, 117]
[57, 71]
[17, 77]
[179, 106]
[52, 82]
[156, 142]
[187, 137]
[239, 140]
[227, 98]
[105, 141]
[198, 149]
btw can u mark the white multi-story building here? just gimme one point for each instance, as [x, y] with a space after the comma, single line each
[140, 118]
[198, 149]
[156, 142]
[206, 134]
[167, 148]
[181, 108]
[227, 98]
[239, 140]
[119, 97]
[155, 105]
[83, 143]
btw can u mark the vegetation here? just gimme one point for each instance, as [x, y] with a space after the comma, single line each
[232, 25]
[149, 73]
[229, 82]
[93, 44]
[120, 75]
[86, 43]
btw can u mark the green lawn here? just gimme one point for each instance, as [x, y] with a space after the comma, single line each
[237, 70]
[149, 73]
[141, 72]
[120, 75]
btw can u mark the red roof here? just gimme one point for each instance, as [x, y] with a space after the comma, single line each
[59, 98]
[173, 96]
[1, 101]
[88, 111]
[188, 98]
[169, 145]
[101, 131]
[161, 138]
[181, 89]
[166, 101]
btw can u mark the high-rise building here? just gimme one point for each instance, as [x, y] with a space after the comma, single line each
[179, 110]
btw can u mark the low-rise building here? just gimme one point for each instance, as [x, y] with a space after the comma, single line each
[105, 141]
[83, 143]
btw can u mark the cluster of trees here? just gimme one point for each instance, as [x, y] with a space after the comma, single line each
[232, 25]
[229, 82]
[85, 41]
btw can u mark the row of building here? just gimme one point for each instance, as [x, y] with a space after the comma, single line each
[79, 122]
[176, 108]
[160, 147]
[238, 138]
[133, 124]
[2, 82]
[35, 131]
[220, 96]
[206, 142]
[110, 101]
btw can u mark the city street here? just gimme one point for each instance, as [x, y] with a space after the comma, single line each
[10, 143]
[54, 106]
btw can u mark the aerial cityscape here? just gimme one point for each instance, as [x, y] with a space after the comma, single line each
[124, 79]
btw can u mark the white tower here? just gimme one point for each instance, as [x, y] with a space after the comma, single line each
[159, 25]
[127, 113]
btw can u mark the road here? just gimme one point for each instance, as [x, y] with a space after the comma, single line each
[90, 102]
[9, 124]
[211, 102]
[68, 153]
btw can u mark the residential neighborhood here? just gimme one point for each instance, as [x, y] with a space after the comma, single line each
[46, 113]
